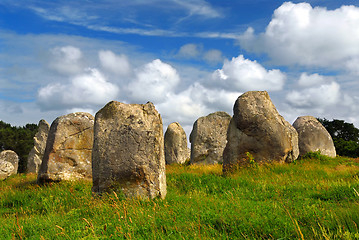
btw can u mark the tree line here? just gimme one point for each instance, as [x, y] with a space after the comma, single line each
[19, 140]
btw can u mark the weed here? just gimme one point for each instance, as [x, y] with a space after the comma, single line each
[250, 160]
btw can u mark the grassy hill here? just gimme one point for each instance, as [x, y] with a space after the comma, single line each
[313, 198]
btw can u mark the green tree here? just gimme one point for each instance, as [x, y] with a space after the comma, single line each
[345, 136]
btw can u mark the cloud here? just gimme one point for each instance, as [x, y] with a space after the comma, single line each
[214, 99]
[352, 65]
[326, 100]
[194, 102]
[213, 56]
[67, 13]
[199, 7]
[66, 60]
[306, 80]
[242, 75]
[153, 82]
[299, 34]
[318, 92]
[88, 15]
[117, 64]
[190, 51]
[137, 31]
[196, 51]
[83, 91]
[181, 107]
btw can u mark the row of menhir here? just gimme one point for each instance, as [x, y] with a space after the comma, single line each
[123, 147]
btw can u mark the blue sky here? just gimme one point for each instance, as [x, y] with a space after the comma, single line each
[189, 57]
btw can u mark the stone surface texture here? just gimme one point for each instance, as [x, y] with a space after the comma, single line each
[257, 133]
[37, 152]
[128, 152]
[176, 149]
[312, 137]
[9, 162]
[208, 138]
[68, 149]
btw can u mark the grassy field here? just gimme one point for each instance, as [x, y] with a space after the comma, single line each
[313, 198]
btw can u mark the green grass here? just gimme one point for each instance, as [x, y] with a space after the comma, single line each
[313, 198]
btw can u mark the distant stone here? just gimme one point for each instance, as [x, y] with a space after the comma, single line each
[176, 149]
[37, 152]
[128, 152]
[313, 137]
[68, 149]
[258, 133]
[208, 138]
[6, 170]
[9, 162]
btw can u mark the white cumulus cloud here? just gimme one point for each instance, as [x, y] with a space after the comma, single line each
[117, 64]
[190, 50]
[181, 107]
[66, 60]
[317, 96]
[299, 34]
[83, 91]
[242, 75]
[153, 82]
[196, 101]
[306, 80]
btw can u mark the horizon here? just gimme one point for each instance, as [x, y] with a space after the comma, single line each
[190, 58]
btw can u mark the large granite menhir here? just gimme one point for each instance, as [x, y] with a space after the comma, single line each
[208, 138]
[258, 133]
[37, 152]
[128, 152]
[313, 137]
[176, 149]
[68, 149]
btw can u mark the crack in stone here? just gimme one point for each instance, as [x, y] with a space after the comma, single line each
[79, 132]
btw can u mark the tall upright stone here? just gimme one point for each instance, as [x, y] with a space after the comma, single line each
[313, 137]
[128, 152]
[176, 149]
[37, 152]
[208, 138]
[258, 133]
[68, 149]
[9, 162]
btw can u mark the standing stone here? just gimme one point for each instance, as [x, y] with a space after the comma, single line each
[37, 152]
[128, 152]
[68, 149]
[258, 133]
[176, 150]
[313, 137]
[208, 138]
[6, 170]
[9, 162]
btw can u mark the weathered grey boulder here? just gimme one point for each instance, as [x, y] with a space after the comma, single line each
[9, 162]
[128, 152]
[312, 137]
[68, 149]
[37, 152]
[176, 150]
[6, 170]
[258, 133]
[208, 138]
[11, 157]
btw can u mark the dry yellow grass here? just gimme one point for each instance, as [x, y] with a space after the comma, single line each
[194, 169]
